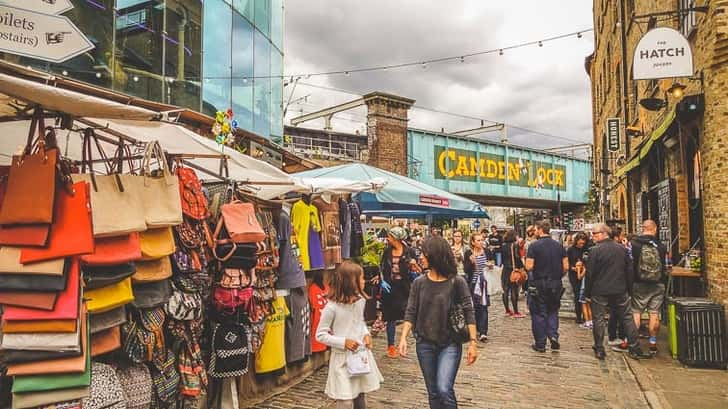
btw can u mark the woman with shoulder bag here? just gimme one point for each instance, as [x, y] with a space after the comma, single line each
[511, 261]
[352, 370]
[433, 298]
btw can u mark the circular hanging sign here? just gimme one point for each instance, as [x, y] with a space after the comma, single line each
[662, 53]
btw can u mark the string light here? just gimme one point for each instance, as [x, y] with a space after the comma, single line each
[423, 64]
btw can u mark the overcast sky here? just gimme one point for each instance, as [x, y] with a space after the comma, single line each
[544, 89]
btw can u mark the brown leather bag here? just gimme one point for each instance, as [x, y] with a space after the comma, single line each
[30, 299]
[240, 222]
[106, 341]
[518, 275]
[152, 270]
[30, 193]
[39, 326]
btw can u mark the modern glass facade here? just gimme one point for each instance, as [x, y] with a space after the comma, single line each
[198, 54]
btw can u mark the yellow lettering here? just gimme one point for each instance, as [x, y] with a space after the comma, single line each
[481, 166]
[550, 177]
[473, 166]
[541, 175]
[560, 178]
[492, 169]
[441, 163]
[501, 168]
[513, 172]
[462, 169]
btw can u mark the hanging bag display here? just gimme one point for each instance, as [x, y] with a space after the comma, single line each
[157, 243]
[116, 202]
[229, 355]
[10, 264]
[103, 276]
[137, 384]
[29, 299]
[30, 193]
[111, 251]
[194, 203]
[160, 192]
[25, 281]
[148, 271]
[184, 306]
[37, 383]
[241, 223]
[105, 341]
[106, 391]
[71, 233]
[110, 297]
[20, 234]
[152, 294]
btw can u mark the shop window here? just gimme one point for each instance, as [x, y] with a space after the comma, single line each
[262, 16]
[276, 105]
[183, 53]
[217, 59]
[276, 23]
[245, 8]
[261, 93]
[242, 59]
[139, 48]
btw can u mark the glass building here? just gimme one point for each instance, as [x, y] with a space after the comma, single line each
[206, 55]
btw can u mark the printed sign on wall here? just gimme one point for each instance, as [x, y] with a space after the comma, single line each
[662, 53]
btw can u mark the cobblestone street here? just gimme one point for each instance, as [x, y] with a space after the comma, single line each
[508, 374]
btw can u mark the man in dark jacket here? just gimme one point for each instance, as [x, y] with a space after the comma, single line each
[608, 280]
[649, 255]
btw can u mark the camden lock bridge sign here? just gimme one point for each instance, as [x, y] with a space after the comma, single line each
[497, 173]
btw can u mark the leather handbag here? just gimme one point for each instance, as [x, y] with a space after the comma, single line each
[17, 355]
[30, 193]
[240, 222]
[55, 341]
[110, 297]
[115, 250]
[157, 243]
[42, 326]
[116, 201]
[66, 308]
[229, 300]
[161, 194]
[71, 233]
[40, 399]
[152, 270]
[106, 341]
[518, 275]
[193, 200]
[20, 234]
[103, 276]
[108, 319]
[153, 294]
[237, 255]
[61, 365]
[29, 299]
[10, 264]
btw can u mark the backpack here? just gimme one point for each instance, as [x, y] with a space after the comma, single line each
[650, 264]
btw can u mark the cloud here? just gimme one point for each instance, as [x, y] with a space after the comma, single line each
[543, 88]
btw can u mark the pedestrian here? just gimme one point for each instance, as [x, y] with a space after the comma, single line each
[511, 260]
[495, 242]
[342, 327]
[475, 263]
[650, 274]
[397, 261]
[530, 238]
[438, 350]
[615, 329]
[458, 249]
[547, 263]
[608, 280]
[575, 253]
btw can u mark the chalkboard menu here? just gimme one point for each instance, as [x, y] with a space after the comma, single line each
[666, 211]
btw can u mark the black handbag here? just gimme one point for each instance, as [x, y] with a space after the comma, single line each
[16, 356]
[237, 255]
[150, 295]
[104, 276]
[108, 319]
[456, 317]
[36, 282]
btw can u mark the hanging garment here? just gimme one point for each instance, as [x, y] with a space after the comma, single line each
[345, 221]
[290, 272]
[357, 233]
[305, 219]
[317, 299]
[272, 353]
[298, 326]
[330, 231]
[315, 252]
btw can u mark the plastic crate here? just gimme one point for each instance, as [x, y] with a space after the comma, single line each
[672, 320]
[701, 334]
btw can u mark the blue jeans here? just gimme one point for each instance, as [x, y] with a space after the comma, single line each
[544, 321]
[391, 332]
[439, 365]
[481, 319]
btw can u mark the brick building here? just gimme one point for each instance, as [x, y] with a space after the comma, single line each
[668, 165]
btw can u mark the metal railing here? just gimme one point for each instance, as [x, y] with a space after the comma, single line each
[324, 148]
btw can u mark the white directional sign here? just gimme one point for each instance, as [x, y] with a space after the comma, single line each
[41, 36]
[41, 6]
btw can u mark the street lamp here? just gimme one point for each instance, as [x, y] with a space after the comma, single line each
[677, 90]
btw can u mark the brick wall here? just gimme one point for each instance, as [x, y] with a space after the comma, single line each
[387, 131]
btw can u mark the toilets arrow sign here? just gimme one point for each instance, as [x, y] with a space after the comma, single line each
[42, 6]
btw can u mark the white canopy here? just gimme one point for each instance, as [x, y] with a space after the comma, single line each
[70, 102]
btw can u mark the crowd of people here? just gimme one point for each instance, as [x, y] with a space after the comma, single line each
[439, 291]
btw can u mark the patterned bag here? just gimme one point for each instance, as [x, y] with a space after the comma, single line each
[194, 202]
[184, 306]
[106, 391]
[137, 385]
[230, 351]
[165, 379]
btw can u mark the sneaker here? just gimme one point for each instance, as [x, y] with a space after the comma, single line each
[636, 353]
[622, 347]
[600, 354]
[518, 315]
[555, 346]
[509, 313]
[614, 342]
[586, 325]
[537, 348]
[392, 352]
[653, 348]
[483, 338]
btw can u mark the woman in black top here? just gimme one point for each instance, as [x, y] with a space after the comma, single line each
[511, 260]
[397, 261]
[427, 314]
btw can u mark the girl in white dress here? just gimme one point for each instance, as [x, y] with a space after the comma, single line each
[342, 327]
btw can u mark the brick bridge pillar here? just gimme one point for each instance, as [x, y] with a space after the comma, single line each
[387, 131]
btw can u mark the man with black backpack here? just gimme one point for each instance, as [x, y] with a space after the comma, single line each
[648, 291]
